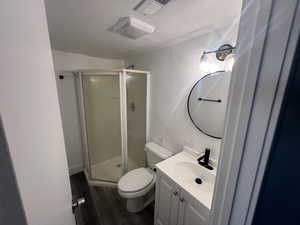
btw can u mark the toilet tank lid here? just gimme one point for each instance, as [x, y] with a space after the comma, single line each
[162, 152]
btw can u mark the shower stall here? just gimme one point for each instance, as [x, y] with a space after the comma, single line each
[113, 106]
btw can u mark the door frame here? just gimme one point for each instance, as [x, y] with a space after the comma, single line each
[268, 35]
[123, 118]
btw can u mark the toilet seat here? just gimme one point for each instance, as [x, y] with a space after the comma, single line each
[136, 183]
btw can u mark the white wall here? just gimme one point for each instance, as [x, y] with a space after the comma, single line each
[72, 61]
[30, 112]
[65, 61]
[174, 70]
[70, 120]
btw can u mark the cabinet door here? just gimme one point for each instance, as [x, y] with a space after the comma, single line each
[191, 212]
[166, 202]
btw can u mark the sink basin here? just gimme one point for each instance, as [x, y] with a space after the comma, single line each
[190, 171]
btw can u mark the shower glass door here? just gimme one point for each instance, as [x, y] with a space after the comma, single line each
[101, 102]
[114, 122]
[136, 100]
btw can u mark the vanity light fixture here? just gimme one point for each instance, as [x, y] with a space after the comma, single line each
[222, 52]
[225, 56]
[209, 64]
[230, 60]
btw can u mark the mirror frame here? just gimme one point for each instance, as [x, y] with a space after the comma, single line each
[188, 103]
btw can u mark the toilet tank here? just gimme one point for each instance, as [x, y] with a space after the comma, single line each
[155, 154]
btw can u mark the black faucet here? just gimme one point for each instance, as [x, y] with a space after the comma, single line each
[205, 159]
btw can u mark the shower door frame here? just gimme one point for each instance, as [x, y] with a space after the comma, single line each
[123, 117]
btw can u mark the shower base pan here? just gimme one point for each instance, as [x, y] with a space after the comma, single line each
[108, 172]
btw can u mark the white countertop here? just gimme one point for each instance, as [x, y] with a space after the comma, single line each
[183, 169]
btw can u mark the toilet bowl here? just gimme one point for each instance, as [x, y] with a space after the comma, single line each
[137, 186]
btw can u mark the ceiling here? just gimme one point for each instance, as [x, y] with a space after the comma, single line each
[79, 26]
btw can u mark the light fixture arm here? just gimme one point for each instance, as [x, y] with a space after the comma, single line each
[222, 52]
[215, 51]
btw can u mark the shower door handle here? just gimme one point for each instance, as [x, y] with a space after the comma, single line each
[132, 106]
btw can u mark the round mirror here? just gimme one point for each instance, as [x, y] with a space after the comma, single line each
[207, 103]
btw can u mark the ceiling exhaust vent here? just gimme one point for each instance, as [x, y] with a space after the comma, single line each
[131, 27]
[150, 7]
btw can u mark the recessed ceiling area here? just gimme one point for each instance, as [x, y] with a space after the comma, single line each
[80, 26]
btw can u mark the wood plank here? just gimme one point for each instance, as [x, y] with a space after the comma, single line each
[86, 214]
[104, 205]
[112, 210]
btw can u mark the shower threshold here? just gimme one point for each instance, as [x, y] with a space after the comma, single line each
[109, 171]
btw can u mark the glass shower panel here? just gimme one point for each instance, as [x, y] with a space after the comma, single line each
[101, 96]
[136, 91]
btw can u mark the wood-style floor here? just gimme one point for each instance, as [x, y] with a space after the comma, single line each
[106, 207]
[86, 213]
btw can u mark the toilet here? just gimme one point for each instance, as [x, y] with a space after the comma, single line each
[137, 186]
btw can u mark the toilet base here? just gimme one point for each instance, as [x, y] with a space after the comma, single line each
[135, 205]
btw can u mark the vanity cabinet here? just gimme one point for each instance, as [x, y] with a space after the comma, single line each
[190, 212]
[174, 206]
